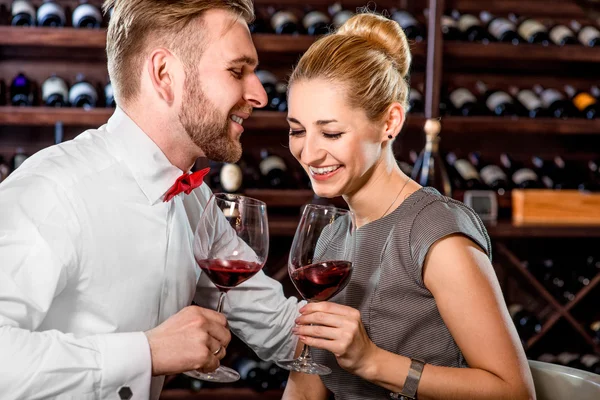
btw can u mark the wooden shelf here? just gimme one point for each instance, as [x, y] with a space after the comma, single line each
[52, 37]
[221, 393]
[521, 52]
[518, 126]
[506, 230]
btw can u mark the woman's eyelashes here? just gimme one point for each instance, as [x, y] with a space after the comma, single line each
[298, 132]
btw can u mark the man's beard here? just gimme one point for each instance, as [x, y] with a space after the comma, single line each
[205, 125]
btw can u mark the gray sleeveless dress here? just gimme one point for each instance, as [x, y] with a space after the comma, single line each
[398, 312]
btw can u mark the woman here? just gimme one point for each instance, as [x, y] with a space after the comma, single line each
[423, 294]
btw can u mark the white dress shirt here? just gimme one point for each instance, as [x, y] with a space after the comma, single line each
[91, 257]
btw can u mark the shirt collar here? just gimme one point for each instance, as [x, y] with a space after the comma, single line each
[151, 169]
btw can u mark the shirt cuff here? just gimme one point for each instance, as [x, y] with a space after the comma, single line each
[126, 366]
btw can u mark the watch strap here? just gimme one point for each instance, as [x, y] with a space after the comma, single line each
[409, 390]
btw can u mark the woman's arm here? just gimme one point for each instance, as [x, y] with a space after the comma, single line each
[463, 282]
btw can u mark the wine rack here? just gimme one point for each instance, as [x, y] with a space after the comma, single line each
[436, 62]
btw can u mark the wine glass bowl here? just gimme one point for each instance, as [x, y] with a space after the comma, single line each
[320, 265]
[231, 244]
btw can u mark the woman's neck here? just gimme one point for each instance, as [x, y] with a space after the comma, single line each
[381, 194]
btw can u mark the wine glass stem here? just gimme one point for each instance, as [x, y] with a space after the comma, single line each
[220, 304]
[305, 355]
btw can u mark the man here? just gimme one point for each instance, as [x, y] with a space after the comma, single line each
[96, 263]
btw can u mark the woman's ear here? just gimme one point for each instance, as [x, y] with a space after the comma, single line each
[393, 122]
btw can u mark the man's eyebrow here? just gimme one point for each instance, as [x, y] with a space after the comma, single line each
[251, 61]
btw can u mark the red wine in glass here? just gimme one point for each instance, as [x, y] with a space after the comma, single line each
[322, 281]
[320, 265]
[226, 274]
[231, 244]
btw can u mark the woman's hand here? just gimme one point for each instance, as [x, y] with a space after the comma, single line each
[338, 329]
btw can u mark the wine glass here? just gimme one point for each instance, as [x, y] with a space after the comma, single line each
[231, 245]
[320, 265]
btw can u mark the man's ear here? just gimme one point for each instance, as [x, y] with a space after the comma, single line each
[161, 70]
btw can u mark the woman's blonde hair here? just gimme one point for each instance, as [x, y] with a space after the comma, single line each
[136, 24]
[368, 56]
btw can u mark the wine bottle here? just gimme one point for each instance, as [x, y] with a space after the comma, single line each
[21, 91]
[416, 102]
[285, 22]
[279, 100]
[87, 16]
[109, 96]
[521, 176]
[544, 172]
[463, 102]
[252, 374]
[527, 323]
[561, 175]
[55, 92]
[591, 362]
[339, 15]
[316, 23]
[531, 30]
[23, 13]
[18, 158]
[412, 29]
[4, 169]
[273, 170]
[51, 14]
[269, 82]
[556, 103]
[561, 35]
[491, 174]
[466, 176]
[429, 169]
[591, 183]
[530, 102]
[498, 102]
[569, 359]
[502, 29]
[83, 94]
[450, 29]
[587, 35]
[587, 104]
[471, 28]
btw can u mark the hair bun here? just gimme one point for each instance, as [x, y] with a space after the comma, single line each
[384, 34]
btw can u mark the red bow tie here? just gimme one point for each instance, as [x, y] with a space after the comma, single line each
[186, 183]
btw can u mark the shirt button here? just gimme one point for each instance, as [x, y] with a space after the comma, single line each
[125, 393]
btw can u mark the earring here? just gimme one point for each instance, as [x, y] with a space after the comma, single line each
[390, 137]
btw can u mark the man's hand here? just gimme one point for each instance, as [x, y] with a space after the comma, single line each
[188, 340]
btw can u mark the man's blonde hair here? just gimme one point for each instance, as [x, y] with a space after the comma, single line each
[135, 24]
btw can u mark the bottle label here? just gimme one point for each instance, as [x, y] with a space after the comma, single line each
[513, 309]
[82, 89]
[595, 326]
[559, 33]
[340, 18]
[549, 96]
[415, 95]
[583, 101]
[500, 26]
[314, 17]
[231, 177]
[448, 22]
[461, 96]
[47, 9]
[270, 163]
[466, 21]
[523, 175]
[23, 7]
[529, 100]
[566, 357]
[466, 170]
[498, 98]
[530, 27]
[404, 19]
[589, 359]
[86, 10]
[55, 85]
[587, 34]
[492, 173]
[282, 17]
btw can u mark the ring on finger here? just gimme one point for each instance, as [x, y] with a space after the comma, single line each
[218, 351]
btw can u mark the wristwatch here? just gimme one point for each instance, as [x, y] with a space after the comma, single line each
[409, 390]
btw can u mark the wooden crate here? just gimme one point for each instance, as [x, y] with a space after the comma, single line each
[555, 207]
